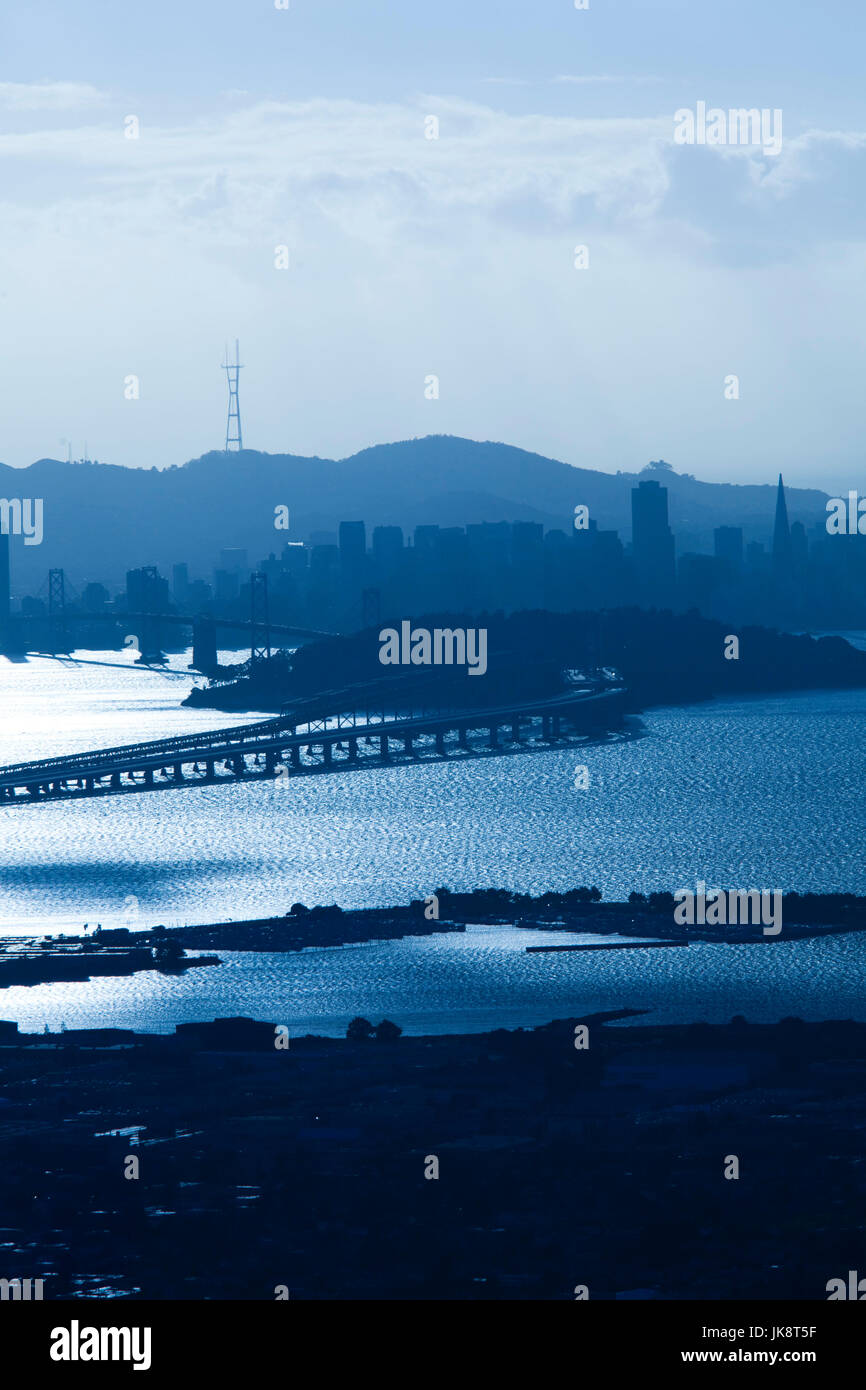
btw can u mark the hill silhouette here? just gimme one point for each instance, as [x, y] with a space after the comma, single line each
[102, 519]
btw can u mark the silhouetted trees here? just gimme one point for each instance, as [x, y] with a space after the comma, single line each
[663, 657]
[361, 1029]
[386, 1031]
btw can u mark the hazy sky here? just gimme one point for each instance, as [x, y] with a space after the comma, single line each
[305, 128]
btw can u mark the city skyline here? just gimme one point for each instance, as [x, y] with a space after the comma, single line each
[358, 575]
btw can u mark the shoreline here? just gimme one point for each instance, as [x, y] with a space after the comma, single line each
[121, 951]
[579, 910]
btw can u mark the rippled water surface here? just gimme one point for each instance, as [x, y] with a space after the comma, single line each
[468, 982]
[765, 792]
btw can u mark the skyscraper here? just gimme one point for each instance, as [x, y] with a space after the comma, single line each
[387, 549]
[651, 536]
[353, 545]
[728, 546]
[781, 533]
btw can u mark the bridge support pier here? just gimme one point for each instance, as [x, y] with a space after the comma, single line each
[463, 736]
[204, 646]
[556, 725]
[384, 751]
[238, 766]
[296, 755]
[209, 770]
[353, 749]
[515, 731]
[440, 742]
[327, 753]
[494, 736]
[270, 762]
[115, 781]
[545, 726]
[148, 776]
[177, 772]
[408, 744]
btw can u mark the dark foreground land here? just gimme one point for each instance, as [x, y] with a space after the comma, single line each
[558, 1166]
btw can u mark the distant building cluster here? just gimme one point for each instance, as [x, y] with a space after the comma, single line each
[356, 578]
[351, 579]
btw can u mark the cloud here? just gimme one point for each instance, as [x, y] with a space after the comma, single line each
[452, 256]
[365, 172]
[49, 96]
[364, 165]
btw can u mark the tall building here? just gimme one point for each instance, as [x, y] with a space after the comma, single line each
[387, 549]
[324, 566]
[353, 544]
[781, 533]
[527, 564]
[353, 565]
[651, 537]
[295, 557]
[426, 540]
[728, 546]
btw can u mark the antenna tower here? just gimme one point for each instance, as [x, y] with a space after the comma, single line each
[234, 438]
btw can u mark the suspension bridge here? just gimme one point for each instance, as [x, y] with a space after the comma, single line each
[144, 628]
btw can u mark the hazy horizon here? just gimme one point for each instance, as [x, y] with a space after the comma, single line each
[410, 257]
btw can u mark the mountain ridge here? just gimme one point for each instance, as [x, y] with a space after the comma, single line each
[114, 518]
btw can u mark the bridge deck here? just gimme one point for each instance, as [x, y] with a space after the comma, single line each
[159, 764]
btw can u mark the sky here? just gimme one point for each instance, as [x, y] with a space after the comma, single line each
[126, 264]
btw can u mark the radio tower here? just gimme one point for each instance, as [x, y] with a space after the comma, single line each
[232, 370]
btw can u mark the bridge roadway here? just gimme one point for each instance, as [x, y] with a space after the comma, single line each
[273, 748]
[73, 616]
